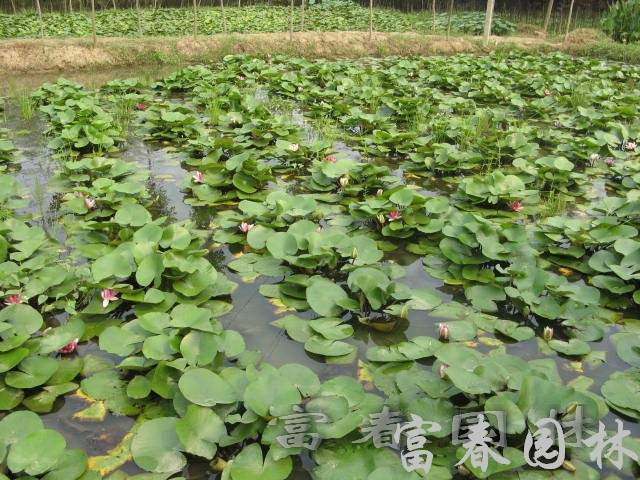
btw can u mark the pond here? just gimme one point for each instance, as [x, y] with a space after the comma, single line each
[191, 256]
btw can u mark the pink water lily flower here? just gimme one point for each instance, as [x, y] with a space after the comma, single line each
[90, 203]
[443, 331]
[13, 299]
[516, 206]
[294, 147]
[394, 215]
[108, 295]
[69, 347]
[631, 146]
[330, 159]
[245, 227]
[141, 107]
[198, 177]
[610, 162]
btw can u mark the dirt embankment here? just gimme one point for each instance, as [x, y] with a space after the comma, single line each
[46, 55]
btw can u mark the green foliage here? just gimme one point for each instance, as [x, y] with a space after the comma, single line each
[622, 21]
[333, 16]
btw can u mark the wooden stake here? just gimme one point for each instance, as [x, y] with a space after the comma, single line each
[302, 21]
[547, 18]
[40, 18]
[138, 13]
[13, 7]
[433, 9]
[566, 35]
[449, 19]
[195, 18]
[291, 22]
[93, 23]
[488, 19]
[370, 20]
[224, 18]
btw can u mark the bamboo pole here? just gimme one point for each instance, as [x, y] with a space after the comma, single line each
[40, 18]
[291, 22]
[449, 19]
[433, 9]
[566, 35]
[93, 23]
[547, 18]
[302, 21]
[195, 18]
[370, 20]
[224, 18]
[488, 19]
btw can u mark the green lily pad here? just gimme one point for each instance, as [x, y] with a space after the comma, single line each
[156, 446]
[205, 388]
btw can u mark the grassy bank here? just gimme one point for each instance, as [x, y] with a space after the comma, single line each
[41, 55]
[34, 55]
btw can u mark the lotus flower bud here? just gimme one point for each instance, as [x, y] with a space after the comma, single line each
[344, 181]
[443, 331]
[548, 333]
[198, 177]
[69, 347]
[245, 227]
[108, 295]
[516, 206]
[442, 370]
[394, 215]
[594, 157]
[379, 192]
[381, 219]
[13, 299]
[404, 312]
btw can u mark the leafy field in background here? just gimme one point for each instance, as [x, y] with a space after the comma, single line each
[439, 235]
[176, 22]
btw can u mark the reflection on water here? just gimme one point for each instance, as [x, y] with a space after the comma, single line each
[165, 177]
